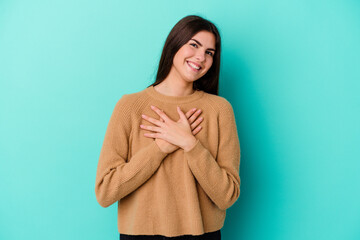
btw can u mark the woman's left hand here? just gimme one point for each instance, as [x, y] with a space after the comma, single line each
[178, 133]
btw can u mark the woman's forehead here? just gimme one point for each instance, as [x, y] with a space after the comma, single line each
[205, 38]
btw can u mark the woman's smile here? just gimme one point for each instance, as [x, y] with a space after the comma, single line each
[195, 67]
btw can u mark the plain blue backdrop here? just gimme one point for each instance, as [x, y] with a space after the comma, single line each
[289, 68]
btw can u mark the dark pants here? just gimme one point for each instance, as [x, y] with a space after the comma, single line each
[206, 236]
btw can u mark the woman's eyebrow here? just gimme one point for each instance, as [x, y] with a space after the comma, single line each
[201, 44]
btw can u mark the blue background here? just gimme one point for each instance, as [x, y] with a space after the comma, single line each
[289, 68]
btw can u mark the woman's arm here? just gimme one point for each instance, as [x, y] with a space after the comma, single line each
[219, 177]
[116, 178]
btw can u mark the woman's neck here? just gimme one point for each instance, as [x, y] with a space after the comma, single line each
[174, 89]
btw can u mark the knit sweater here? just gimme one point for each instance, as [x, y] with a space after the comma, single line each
[184, 192]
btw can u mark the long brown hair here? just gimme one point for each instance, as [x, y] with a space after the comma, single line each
[179, 35]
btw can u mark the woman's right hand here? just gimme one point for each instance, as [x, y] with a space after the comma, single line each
[192, 116]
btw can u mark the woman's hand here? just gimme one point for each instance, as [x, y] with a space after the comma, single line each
[170, 135]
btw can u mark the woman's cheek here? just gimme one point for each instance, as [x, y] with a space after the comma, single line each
[209, 62]
[189, 51]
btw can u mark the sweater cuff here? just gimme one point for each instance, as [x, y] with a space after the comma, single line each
[195, 150]
[156, 149]
[147, 160]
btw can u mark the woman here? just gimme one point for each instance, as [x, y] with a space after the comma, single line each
[171, 177]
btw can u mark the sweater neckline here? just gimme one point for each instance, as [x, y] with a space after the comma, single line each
[174, 99]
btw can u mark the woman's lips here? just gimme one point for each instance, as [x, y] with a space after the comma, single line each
[193, 66]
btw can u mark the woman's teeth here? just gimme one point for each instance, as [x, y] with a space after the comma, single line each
[194, 66]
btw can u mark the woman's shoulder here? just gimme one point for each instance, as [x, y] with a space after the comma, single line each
[130, 98]
[218, 102]
[130, 102]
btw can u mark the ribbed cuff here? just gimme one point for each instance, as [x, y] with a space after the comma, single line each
[196, 148]
[157, 149]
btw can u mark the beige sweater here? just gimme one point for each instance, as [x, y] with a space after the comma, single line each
[169, 194]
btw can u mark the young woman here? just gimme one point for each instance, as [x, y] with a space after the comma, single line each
[172, 172]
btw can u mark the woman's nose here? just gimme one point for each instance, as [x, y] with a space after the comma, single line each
[200, 56]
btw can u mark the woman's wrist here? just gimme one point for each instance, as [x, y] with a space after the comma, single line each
[190, 143]
[165, 146]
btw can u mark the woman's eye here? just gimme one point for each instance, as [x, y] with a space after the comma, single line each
[210, 53]
[193, 44]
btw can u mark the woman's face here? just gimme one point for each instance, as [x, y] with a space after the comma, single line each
[194, 58]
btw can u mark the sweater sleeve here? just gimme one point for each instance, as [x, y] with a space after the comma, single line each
[116, 177]
[219, 177]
